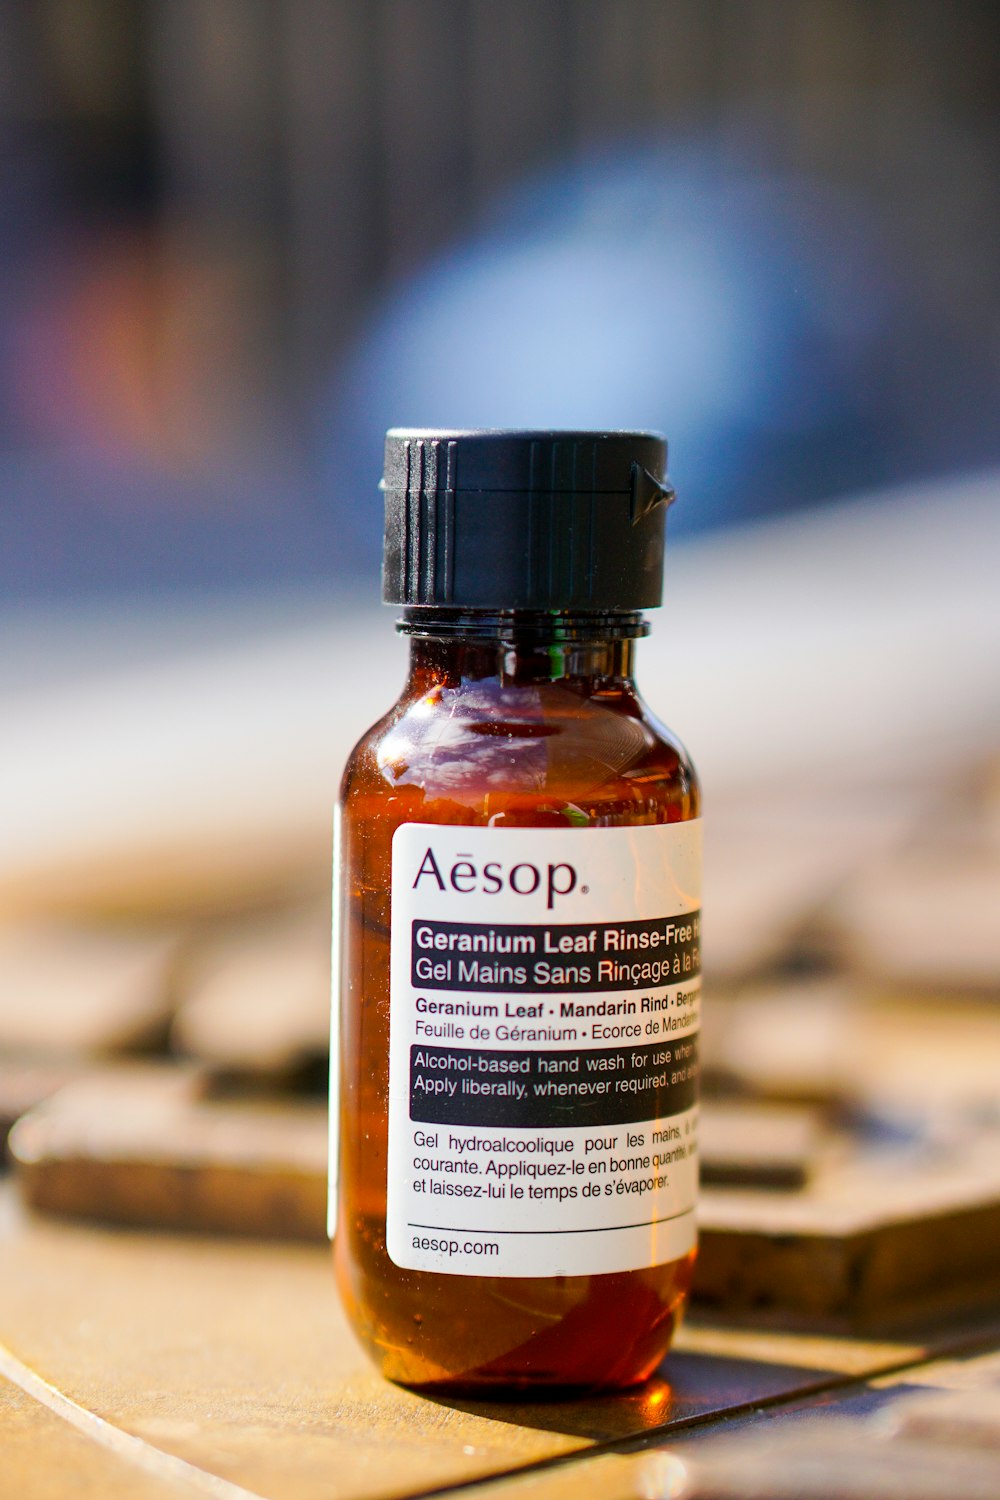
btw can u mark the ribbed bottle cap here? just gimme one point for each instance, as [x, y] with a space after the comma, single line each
[524, 520]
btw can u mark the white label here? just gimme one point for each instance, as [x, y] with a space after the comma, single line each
[544, 1000]
[333, 1137]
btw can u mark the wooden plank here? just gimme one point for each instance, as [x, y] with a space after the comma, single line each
[24, 1085]
[758, 906]
[969, 1419]
[831, 1460]
[959, 1373]
[257, 998]
[925, 920]
[829, 1041]
[150, 1144]
[834, 1460]
[71, 990]
[758, 1145]
[790, 1041]
[141, 1145]
[866, 1240]
[928, 1446]
[234, 1356]
[772, 861]
[824, 1354]
[601, 1476]
[942, 1444]
[871, 1234]
[907, 1206]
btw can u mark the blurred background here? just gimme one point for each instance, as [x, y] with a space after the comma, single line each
[239, 238]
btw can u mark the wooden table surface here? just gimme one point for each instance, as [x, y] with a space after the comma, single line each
[146, 1364]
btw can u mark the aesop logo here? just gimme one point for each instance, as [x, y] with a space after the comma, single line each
[466, 878]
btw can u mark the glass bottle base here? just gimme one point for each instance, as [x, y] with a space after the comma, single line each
[518, 1339]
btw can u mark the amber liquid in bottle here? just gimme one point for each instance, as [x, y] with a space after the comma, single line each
[507, 720]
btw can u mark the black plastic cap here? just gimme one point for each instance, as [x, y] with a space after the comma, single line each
[524, 520]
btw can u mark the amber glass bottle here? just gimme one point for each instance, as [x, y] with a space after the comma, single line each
[518, 933]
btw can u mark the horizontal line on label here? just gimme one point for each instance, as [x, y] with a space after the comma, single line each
[599, 1229]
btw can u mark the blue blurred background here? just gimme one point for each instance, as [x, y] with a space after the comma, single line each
[238, 238]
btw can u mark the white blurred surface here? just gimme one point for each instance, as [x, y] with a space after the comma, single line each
[165, 756]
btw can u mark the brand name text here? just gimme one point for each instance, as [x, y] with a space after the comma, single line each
[466, 877]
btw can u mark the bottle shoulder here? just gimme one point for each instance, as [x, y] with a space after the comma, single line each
[482, 740]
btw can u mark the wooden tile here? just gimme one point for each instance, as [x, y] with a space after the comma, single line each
[759, 903]
[830, 1041]
[869, 1236]
[599, 1476]
[968, 1419]
[234, 1356]
[84, 990]
[257, 998]
[958, 1373]
[790, 1041]
[237, 1359]
[140, 1145]
[929, 1446]
[925, 919]
[821, 1354]
[831, 1459]
[874, 1232]
[144, 1144]
[758, 1145]
[939, 1444]
[26, 1084]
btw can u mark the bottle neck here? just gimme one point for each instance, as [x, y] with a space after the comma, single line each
[581, 647]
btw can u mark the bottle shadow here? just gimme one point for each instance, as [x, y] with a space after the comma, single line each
[700, 1387]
